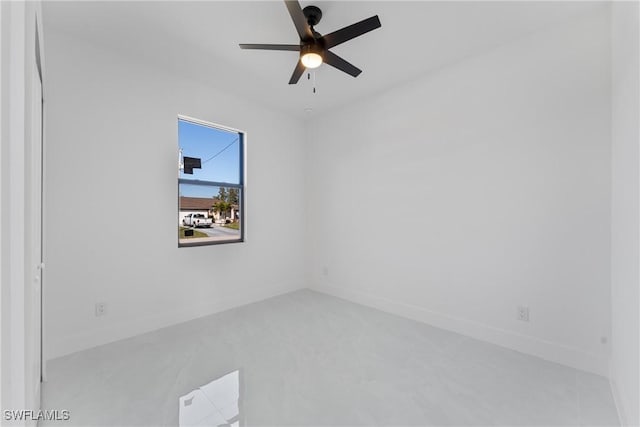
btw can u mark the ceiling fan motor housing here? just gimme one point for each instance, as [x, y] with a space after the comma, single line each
[311, 48]
[313, 15]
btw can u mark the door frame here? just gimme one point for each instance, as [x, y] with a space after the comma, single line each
[38, 59]
[19, 21]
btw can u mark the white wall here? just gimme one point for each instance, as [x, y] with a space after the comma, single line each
[480, 187]
[625, 232]
[111, 152]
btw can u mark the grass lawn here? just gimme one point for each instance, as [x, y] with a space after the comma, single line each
[196, 233]
[234, 225]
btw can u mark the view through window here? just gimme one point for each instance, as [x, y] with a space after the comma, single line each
[210, 184]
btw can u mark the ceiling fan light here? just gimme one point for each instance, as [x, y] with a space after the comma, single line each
[311, 60]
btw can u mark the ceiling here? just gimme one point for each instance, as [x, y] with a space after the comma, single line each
[200, 40]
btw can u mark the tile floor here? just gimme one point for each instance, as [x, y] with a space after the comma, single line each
[307, 359]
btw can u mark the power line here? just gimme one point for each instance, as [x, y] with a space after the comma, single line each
[220, 152]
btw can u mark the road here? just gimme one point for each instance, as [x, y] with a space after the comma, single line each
[220, 232]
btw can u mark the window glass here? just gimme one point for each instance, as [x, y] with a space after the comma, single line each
[210, 184]
[217, 149]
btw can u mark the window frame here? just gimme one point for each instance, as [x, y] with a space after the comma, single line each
[241, 186]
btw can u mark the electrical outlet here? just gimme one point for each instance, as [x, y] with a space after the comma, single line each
[325, 271]
[101, 309]
[523, 313]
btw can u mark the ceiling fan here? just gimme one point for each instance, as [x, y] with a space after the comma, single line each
[314, 47]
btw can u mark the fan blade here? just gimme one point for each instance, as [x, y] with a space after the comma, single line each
[294, 47]
[299, 70]
[351, 32]
[299, 19]
[342, 65]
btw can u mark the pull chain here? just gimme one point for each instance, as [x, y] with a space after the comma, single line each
[314, 80]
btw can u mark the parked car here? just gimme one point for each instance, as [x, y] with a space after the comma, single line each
[196, 220]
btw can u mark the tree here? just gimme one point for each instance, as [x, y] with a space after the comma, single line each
[222, 207]
[233, 196]
[227, 198]
[222, 194]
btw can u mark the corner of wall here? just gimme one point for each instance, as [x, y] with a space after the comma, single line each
[622, 416]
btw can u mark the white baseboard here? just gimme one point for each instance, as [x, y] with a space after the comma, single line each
[554, 352]
[547, 350]
[131, 327]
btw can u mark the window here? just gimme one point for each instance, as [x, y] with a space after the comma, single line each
[210, 184]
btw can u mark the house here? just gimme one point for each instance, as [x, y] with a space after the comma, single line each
[206, 206]
[195, 205]
[461, 243]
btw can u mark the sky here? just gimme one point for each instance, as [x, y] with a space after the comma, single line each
[218, 151]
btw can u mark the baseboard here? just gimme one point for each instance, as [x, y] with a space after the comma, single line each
[618, 402]
[133, 327]
[554, 352]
